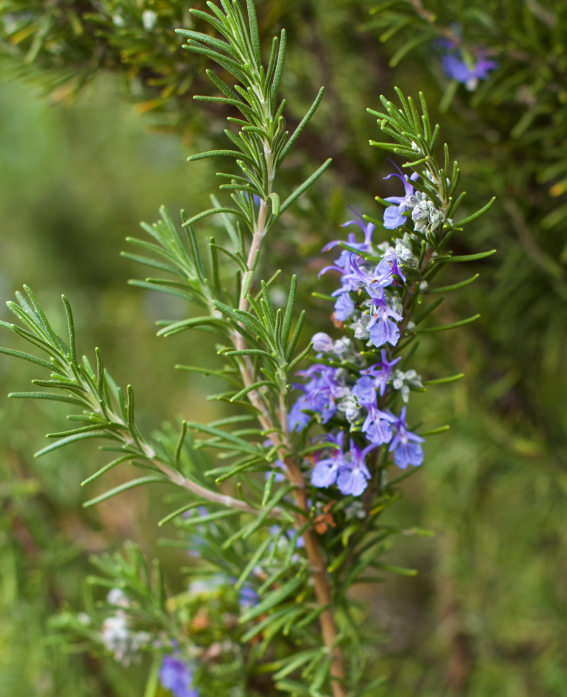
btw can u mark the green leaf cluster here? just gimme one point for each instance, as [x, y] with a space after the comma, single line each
[261, 143]
[261, 338]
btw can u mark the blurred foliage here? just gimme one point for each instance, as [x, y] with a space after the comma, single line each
[486, 615]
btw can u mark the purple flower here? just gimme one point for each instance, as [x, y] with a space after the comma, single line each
[326, 380]
[354, 475]
[355, 277]
[326, 470]
[348, 470]
[322, 343]
[380, 277]
[176, 676]
[367, 228]
[462, 67]
[380, 373]
[320, 394]
[394, 215]
[255, 198]
[350, 281]
[351, 276]
[298, 418]
[391, 258]
[365, 390]
[344, 307]
[406, 445]
[346, 265]
[378, 424]
[382, 328]
[379, 431]
[247, 597]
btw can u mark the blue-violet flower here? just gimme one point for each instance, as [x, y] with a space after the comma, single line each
[176, 676]
[462, 67]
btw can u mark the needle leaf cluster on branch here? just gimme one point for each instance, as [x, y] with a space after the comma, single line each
[284, 497]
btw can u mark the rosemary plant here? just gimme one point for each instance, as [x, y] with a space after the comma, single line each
[284, 497]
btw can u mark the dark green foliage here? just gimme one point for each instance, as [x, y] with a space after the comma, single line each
[507, 454]
[516, 119]
[63, 45]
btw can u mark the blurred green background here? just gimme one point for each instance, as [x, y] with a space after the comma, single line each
[486, 615]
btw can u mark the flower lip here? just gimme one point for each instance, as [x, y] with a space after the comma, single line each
[367, 228]
[408, 188]
[394, 215]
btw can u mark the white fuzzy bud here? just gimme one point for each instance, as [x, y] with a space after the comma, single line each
[322, 343]
[149, 19]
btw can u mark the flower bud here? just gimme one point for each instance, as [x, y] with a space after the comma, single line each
[322, 342]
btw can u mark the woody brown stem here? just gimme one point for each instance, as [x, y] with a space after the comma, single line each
[222, 499]
[246, 368]
[320, 582]
[280, 438]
